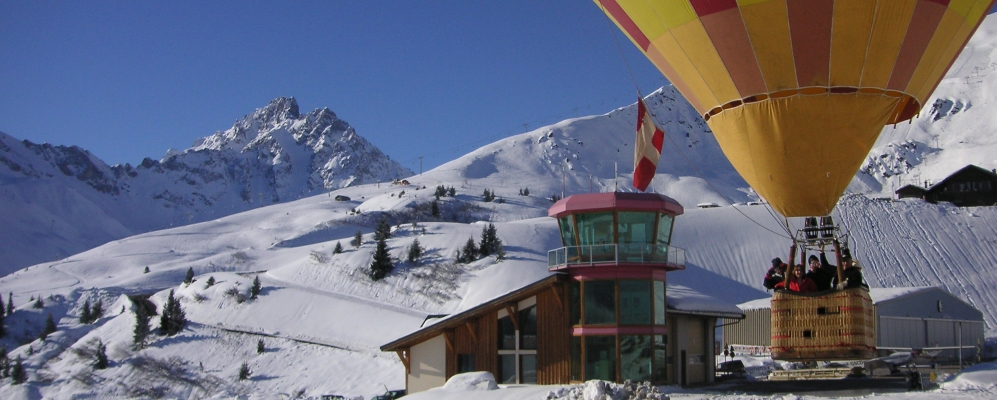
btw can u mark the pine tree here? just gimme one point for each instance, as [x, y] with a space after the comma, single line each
[4, 362]
[357, 239]
[414, 251]
[18, 374]
[141, 331]
[338, 249]
[489, 235]
[451, 192]
[97, 311]
[190, 276]
[146, 271]
[173, 319]
[3, 329]
[487, 196]
[259, 347]
[383, 230]
[101, 355]
[254, 291]
[85, 313]
[2, 308]
[39, 304]
[211, 282]
[435, 209]
[440, 192]
[380, 265]
[49, 327]
[244, 371]
[469, 251]
[10, 303]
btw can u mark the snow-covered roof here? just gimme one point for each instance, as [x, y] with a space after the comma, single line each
[878, 295]
[683, 300]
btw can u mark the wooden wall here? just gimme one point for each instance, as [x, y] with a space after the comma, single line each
[553, 337]
[483, 344]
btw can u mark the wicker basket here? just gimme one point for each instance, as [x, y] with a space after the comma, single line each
[832, 325]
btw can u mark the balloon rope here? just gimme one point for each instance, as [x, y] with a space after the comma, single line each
[609, 24]
[710, 184]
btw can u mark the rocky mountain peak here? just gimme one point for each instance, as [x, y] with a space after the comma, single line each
[281, 108]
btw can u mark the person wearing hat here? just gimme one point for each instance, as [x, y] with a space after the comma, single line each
[775, 274]
[852, 273]
[821, 272]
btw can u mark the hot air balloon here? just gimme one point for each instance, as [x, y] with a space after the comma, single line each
[797, 91]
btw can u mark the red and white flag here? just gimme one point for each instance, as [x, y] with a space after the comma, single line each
[647, 148]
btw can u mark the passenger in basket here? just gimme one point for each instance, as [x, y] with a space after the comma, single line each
[852, 272]
[799, 282]
[775, 274]
[821, 272]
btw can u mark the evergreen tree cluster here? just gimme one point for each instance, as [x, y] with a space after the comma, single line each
[173, 318]
[490, 244]
[488, 196]
[18, 374]
[442, 191]
[244, 371]
[88, 314]
[524, 192]
[554, 198]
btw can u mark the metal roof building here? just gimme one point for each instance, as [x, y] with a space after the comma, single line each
[915, 318]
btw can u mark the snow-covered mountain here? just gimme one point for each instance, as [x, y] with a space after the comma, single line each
[59, 200]
[320, 316]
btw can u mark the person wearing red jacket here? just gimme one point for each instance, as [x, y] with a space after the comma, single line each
[798, 282]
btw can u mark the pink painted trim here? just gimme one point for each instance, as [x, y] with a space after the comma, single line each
[619, 201]
[619, 330]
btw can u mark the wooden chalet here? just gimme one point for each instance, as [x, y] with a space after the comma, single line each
[604, 311]
[970, 186]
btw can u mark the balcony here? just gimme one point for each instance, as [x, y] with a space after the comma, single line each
[612, 254]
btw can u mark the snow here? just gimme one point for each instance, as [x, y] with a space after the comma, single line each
[322, 319]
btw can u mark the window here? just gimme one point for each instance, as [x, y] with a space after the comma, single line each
[600, 302]
[465, 363]
[635, 358]
[635, 302]
[595, 228]
[576, 358]
[567, 231]
[517, 348]
[528, 328]
[636, 230]
[507, 368]
[664, 230]
[600, 358]
[659, 303]
[506, 334]
[660, 374]
[528, 368]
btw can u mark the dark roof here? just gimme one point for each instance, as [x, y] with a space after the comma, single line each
[910, 188]
[968, 168]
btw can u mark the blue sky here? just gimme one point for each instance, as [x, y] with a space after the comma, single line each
[128, 80]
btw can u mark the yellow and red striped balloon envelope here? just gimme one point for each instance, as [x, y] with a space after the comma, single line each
[797, 91]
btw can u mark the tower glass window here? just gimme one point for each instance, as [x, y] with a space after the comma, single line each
[600, 302]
